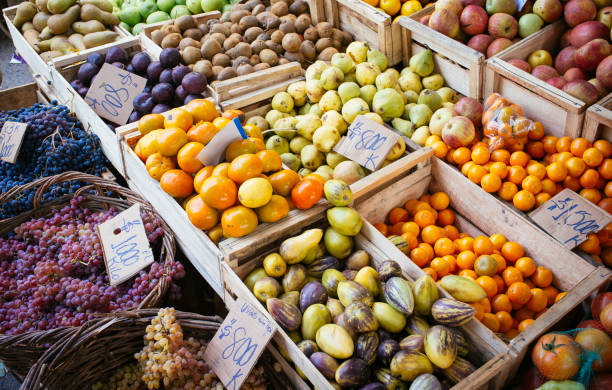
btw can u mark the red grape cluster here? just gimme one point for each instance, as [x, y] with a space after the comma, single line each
[52, 271]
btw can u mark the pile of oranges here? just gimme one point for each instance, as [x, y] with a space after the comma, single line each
[233, 197]
[398, 8]
[518, 290]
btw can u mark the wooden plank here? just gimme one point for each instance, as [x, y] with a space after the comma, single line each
[598, 120]
[17, 97]
[72, 59]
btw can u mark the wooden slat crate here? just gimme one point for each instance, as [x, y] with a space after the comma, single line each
[598, 120]
[559, 112]
[480, 213]
[365, 22]
[27, 52]
[461, 66]
[22, 96]
[493, 354]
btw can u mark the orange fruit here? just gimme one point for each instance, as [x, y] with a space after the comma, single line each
[284, 181]
[551, 294]
[516, 174]
[221, 122]
[451, 232]
[575, 166]
[411, 227]
[177, 183]
[381, 227]
[397, 215]
[542, 198]
[608, 189]
[157, 165]
[480, 155]
[178, 117]
[396, 229]
[532, 184]
[591, 245]
[490, 182]
[498, 240]
[187, 157]
[441, 266]
[465, 243]
[482, 245]
[202, 132]
[604, 146]
[276, 209]
[491, 321]
[221, 170]
[501, 155]
[411, 205]
[432, 233]
[244, 167]
[452, 263]
[150, 122]
[501, 262]
[592, 157]
[240, 147]
[591, 194]
[519, 293]
[505, 321]
[271, 161]
[606, 204]
[538, 300]
[238, 221]
[476, 173]
[578, 146]
[550, 144]
[461, 155]
[536, 131]
[526, 265]
[420, 256]
[549, 186]
[468, 273]
[425, 218]
[501, 302]
[485, 265]
[439, 149]
[499, 169]
[563, 144]
[524, 200]
[524, 324]
[589, 178]
[231, 114]
[556, 171]
[201, 176]
[411, 239]
[512, 251]
[202, 110]
[535, 149]
[432, 139]
[488, 284]
[519, 158]
[605, 169]
[219, 192]
[465, 168]
[444, 246]
[507, 191]
[512, 275]
[439, 201]
[215, 234]
[431, 272]
[446, 217]
[560, 296]
[466, 259]
[200, 214]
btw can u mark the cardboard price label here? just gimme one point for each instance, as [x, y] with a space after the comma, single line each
[238, 343]
[569, 218]
[214, 151]
[125, 245]
[112, 92]
[11, 137]
[367, 143]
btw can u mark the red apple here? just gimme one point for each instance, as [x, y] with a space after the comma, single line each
[574, 74]
[548, 10]
[594, 324]
[445, 22]
[564, 41]
[599, 302]
[458, 131]
[583, 90]
[606, 317]
[600, 87]
[521, 64]
[544, 72]
[557, 82]
[480, 42]
[589, 55]
[425, 20]
[498, 45]
[502, 26]
[565, 59]
[480, 3]
[604, 72]
[469, 108]
[578, 11]
[587, 31]
[473, 20]
[453, 6]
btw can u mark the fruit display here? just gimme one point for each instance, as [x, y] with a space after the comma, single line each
[558, 357]
[493, 25]
[398, 8]
[56, 143]
[361, 323]
[583, 65]
[53, 270]
[251, 37]
[310, 118]
[505, 287]
[169, 84]
[135, 14]
[58, 27]
[233, 197]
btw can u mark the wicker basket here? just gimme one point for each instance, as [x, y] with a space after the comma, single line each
[92, 352]
[20, 352]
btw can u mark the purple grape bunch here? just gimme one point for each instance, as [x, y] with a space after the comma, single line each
[52, 271]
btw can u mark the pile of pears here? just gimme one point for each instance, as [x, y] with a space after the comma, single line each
[310, 117]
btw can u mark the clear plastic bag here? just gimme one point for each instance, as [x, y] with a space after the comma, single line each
[504, 126]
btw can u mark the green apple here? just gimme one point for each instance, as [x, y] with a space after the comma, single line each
[165, 5]
[147, 8]
[194, 6]
[528, 24]
[157, 16]
[130, 15]
[179, 10]
[138, 28]
[180, 2]
[211, 5]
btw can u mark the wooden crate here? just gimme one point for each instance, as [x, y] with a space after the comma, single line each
[480, 213]
[598, 120]
[27, 52]
[493, 354]
[461, 66]
[62, 72]
[559, 112]
[364, 22]
[22, 96]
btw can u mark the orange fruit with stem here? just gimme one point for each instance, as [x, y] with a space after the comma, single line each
[202, 132]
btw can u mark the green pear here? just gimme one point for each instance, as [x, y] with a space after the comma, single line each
[403, 126]
[330, 101]
[431, 98]
[278, 144]
[447, 94]
[358, 51]
[297, 91]
[286, 127]
[407, 108]
[385, 80]
[347, 91]
[291, 161]
[399, 90]
[273, 115]
[282, 102]
[297, 144]
[325, 138]
[331, 78]
[304, 171]
[294, 249]
[314, 90]
[350, 77]
[420, 115]
[420, 135]
[316, 110]
[367, 93]
[411, 96]
[334, 119]
[332, 159]
[393, 72]
[338, 245]
[343, 62]
[422, 63]
[435, 81]
[374, 117]
[366, 73]
[305, 109]
[377, 58]
[314, 71]
[307, 125]
[353, 108]
[388, 103]
[311, 157]
[410, 81]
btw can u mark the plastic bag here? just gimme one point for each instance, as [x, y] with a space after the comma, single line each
[504, 126]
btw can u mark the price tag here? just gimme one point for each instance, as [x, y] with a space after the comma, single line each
[238, 343]
[11, 137]
[111, 94]
[569, 218]
[367, 143]
[125, 244]
[214, 151]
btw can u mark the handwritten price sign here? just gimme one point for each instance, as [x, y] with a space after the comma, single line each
[112, 93]
[238, 343]
[125, 244]
[367, 143]
[11, 138]
[569, 218]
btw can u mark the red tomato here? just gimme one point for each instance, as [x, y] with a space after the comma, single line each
[599, 302]
[590, 324]
[601, 381]
[597, 341]
[556, 356]
[533, 379]
[306, 193]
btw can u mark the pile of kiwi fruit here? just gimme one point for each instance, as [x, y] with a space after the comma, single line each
[254, 36]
